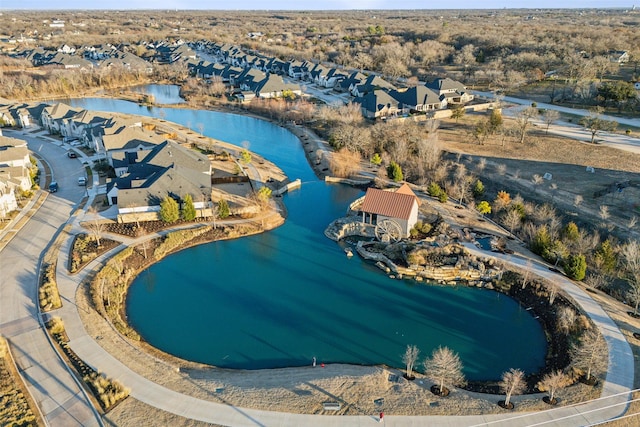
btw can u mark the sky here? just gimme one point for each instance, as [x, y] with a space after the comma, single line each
[310, 5]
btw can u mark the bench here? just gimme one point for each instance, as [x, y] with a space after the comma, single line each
[331, 406]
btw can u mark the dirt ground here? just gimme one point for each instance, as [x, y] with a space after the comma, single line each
[511, 167]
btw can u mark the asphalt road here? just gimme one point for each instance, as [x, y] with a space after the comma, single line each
[56, 391]
[574, 131]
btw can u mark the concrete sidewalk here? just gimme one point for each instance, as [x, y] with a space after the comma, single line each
[616, 389]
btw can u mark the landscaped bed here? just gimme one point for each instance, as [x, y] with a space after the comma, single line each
[85, 249]
[15, 403]
[108, 392]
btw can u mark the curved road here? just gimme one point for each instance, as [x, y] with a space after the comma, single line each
[55, 389]
[63, 403]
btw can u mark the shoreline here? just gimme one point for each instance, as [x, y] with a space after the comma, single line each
[215, 375]
[299, 132]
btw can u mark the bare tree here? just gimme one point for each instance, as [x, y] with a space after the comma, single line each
[550, 117]
[523, 120]
[140, 231]
[597, 280]
[409, 358]
[96, 225]
[551, 383]
[344, 163]
[526, 274]
[512, 383]
[577, 201]
[566, 319]
[135, 214]
[630, 255]
[590, 355]
[536, 180]
[633, 295]
[552, 291]
[595, 124]
[444, 367]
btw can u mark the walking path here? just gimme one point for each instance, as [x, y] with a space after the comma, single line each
[618, 383]
[575, 131]
[616, 389]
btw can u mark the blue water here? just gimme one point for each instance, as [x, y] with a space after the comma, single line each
[163, 94]
[283, 297]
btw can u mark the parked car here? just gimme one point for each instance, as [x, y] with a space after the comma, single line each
[72, 154]
[82, 181]
[53, 187]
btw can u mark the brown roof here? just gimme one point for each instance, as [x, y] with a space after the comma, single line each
[405, 189]
[396, 204]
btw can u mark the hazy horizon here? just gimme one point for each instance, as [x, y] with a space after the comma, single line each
[325, 5]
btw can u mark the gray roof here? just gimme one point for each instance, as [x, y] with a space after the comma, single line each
[273, 84]
[131, 137]
[377, 100]
[414, 96]
[445, 84]
[60, 111]
[10, 152]
[373, 83]
[168, 169]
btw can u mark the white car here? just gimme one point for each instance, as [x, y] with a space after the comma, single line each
[82, 181]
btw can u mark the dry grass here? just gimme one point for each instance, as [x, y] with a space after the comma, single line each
[48, 296]
[631, 418]
[538, 147]
[513, 166]
[15, 405]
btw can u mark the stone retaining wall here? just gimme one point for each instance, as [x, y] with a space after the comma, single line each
[350, 226]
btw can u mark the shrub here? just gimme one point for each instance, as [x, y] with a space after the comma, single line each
[420, 228]
[223, 209]
[376, 159]
[188, 209]
[541, 241]
[169, 210]
[176, 239]
[484, 207]
[478, 189]
[394, 172]
[48, 295]
[434, 189]
[245, 156]
[575, 266]
[55, 325]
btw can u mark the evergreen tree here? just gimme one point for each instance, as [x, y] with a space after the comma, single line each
[478, 188]
[223, 209]
[188, 209]
[575, 266]
[169, 210]
[394, 172]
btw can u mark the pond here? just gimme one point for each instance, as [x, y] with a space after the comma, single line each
[162, 94]
[283, 297]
